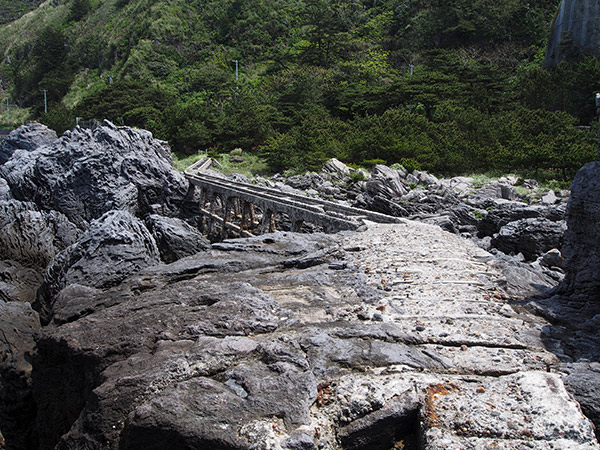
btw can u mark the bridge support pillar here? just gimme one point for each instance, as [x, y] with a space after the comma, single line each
[268, 222]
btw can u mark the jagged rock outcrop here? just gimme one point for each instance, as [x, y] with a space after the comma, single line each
[18, 283]
[84, 174]
[27, 137]
[375, 340]
[575, 31]
[18, 324]
[114, 247]
[4, 190]
[386, 182]
[582, 241]
[175, 238]
[501, 213]
[33, 237]
[531, 237]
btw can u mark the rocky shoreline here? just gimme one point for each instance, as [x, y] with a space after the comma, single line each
[143, 334]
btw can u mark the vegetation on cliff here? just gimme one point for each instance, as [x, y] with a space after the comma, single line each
[446, 86]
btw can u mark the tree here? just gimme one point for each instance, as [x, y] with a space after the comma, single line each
[79, 9]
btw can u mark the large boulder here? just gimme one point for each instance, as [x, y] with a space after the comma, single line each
[114, 247]
[175, 238]
[502, 212]
[32, 237]
[27, 137]
[531, 237]
[386, 182]
[582, 240]
[84, 174]
[336, 168]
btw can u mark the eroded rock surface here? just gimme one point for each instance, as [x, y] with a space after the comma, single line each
[18, 324]
[28, 138]
[114, 247]
[85, 174]
[306, 341]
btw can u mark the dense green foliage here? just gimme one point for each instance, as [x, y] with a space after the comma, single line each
[449, 86]
[13, 9]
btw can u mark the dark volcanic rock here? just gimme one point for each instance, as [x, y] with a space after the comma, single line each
[18, 283]
[175, 238]
[582, 240]
[33, 237]
[583, 381]
[85, 174]
[531, 237]
[28, 137]
[115, 246]
[145, 362]
[18, 323]
[503, 212]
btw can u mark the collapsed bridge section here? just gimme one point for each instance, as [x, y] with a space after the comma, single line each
[240, 209]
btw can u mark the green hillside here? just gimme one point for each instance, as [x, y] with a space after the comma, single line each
[13, 9]
[449, 86]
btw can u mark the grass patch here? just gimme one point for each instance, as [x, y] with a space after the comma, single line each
[182, 162]
[17, 116]
[248, 164]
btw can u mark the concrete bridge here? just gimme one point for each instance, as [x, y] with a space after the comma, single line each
[241, 209]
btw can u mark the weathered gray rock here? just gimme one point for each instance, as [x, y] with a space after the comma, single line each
[175, 238]
[426, 178]
[4, 190]
[497, 189]
[187, 337]
[550, 198]
[18, 283]
[336, 168]
[85, 174]
[582, 239]
[531, 237]
[32, 237]
[114, 247]
[500, 213]
[27, 137]
[382, 428]
[462, 186]
[524, 280]
[18, 324]
[386, 182]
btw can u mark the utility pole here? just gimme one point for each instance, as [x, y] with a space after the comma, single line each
[45, 91]
[411, 74]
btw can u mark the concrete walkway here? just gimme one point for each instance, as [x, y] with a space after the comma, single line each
[496, 386]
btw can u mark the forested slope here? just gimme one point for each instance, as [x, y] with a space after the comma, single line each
[449, 86]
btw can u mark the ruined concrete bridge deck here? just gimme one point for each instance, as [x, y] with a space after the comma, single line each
[236, 207]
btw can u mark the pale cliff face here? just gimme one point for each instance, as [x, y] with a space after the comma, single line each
[575, 31]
